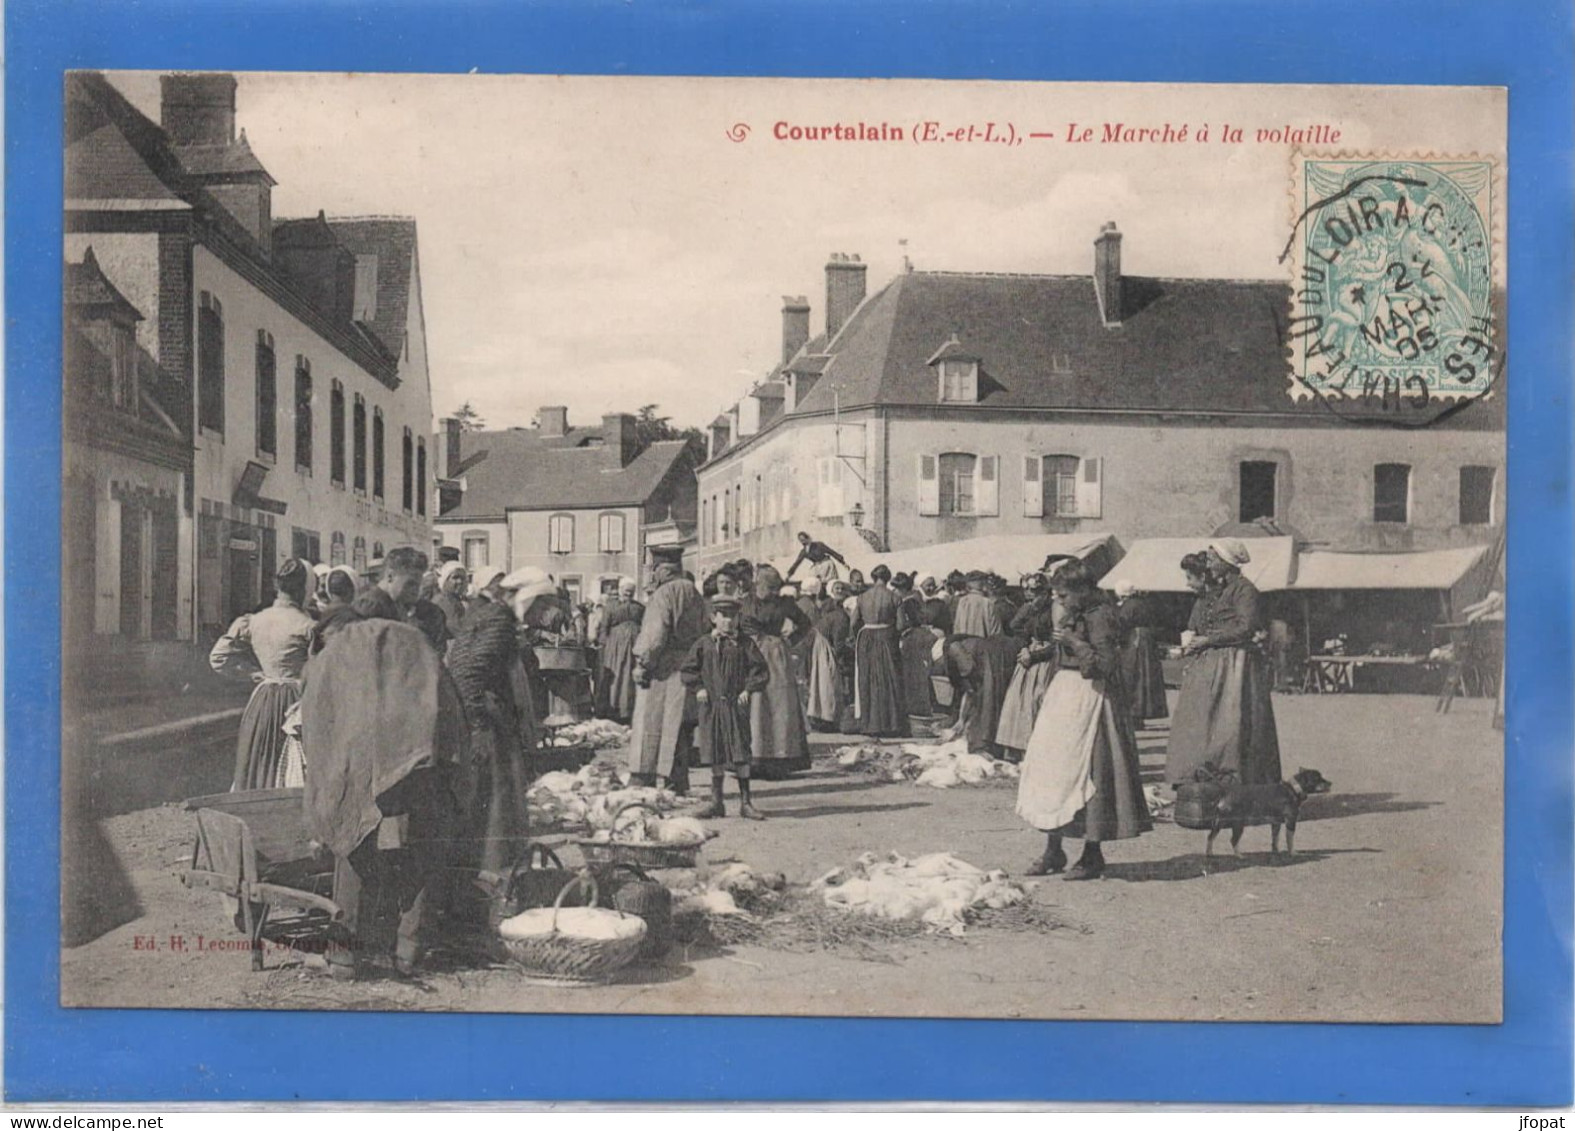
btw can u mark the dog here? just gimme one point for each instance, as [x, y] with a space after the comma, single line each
[1275, 804]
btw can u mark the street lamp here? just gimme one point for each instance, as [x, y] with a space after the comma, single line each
[856, 515]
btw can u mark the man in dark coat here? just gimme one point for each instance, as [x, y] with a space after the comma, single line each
[397, 596]
[387, 731]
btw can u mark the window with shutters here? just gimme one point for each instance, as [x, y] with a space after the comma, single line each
[956, 495]
[365, 288]
[1258, 485]
[560, 534]
[1392, 492]
[421, 475]
[123, 388]
[1059, 476]
[1476, 495]
[960, 381]
[210, 364]
[378, 467]
[303, 415]
[267, 397]
[828, 495]
[408, 451]
[609, 534]
[336, 434]
[359, 442]
[336, 549]
[475, 551]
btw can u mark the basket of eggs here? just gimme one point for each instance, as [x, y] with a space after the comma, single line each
[650, 841]
[572, 946]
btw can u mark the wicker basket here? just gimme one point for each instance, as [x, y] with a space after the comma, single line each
[652, 902]
[643, 853]
[527, 886]
[560, 957]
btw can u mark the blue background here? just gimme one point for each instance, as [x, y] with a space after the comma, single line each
[53, 1054]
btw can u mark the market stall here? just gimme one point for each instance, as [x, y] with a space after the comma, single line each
[1375, 620]
[1010, 555]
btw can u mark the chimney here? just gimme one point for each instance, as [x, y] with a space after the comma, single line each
[448, 448]
[721, 435]
[198, 109]
[198, 114]
[620, 444]
[844, 291]
[1107, 273]
[553, 421]
[795, 325]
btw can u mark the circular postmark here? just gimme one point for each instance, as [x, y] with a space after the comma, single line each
[1393, 303]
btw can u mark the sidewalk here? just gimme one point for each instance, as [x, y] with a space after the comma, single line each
[163, 714]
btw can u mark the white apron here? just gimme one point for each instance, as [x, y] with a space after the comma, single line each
[1056, 779]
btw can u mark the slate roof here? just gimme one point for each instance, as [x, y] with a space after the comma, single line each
[114, 152]
[1182, 345]
[222, 162]
[518, 469]
[393, 240]
[87, 286]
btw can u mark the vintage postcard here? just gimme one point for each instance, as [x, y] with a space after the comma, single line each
[783, 546]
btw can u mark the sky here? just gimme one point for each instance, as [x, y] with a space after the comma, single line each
[602, 242]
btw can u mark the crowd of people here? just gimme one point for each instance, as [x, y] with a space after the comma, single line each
[407, 703]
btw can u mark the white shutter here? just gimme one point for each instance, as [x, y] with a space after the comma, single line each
[929, 485]
[1033, 489]
[1090, 488]
[106, 592]
[987, 491]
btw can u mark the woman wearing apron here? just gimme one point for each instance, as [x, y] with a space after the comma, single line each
[1080, 774]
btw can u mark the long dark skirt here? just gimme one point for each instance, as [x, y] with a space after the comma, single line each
[494, 822]
[259, 751]
[1144, 677]
[1224, 719]
[1080, 774]
[918, 693]
[879, 709]
[776, 717]
[618, 664]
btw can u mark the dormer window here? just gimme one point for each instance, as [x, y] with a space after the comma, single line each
[957, 372]
[960, 381]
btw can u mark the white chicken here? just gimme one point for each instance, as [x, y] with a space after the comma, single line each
[938, 889]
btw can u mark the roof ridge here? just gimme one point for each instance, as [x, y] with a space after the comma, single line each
[1070, 277]
[379, 217]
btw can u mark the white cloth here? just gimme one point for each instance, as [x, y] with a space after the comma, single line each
[1056, 779]
[1232, 550]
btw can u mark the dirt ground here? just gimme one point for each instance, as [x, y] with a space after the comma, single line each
[1390, 911]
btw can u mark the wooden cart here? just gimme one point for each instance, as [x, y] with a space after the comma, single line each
[253, 847]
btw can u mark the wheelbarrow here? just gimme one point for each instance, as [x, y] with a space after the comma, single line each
[252, 846]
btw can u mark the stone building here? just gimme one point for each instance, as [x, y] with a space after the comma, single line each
[586, 504]
[949, 406]
[288, 356]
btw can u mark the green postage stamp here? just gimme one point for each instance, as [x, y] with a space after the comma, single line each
[1394, 293]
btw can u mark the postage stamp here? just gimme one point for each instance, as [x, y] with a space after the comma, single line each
[1392, 278]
